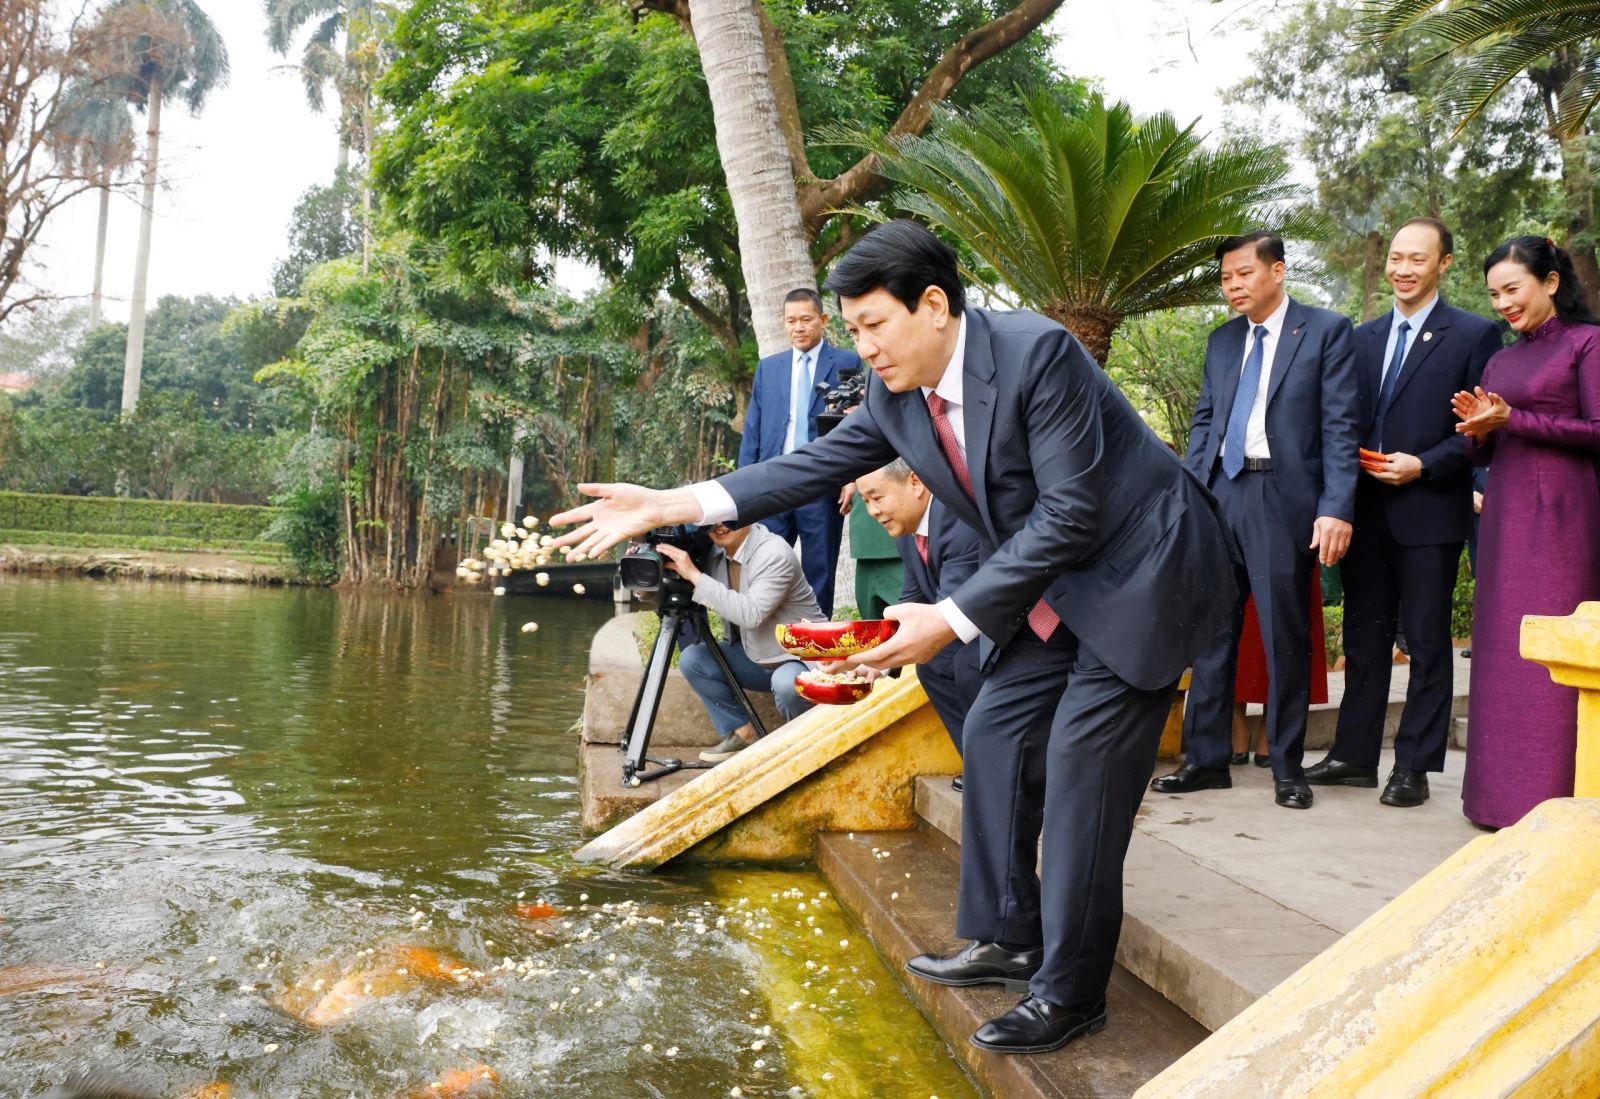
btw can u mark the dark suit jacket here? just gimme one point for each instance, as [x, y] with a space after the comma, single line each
[1312, 412]
[1077, 500]
[952, 558]
[1446, 356]
[766, 421]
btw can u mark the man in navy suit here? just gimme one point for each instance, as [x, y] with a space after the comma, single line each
[1413, 513]
[1275, 438]
[1103, 571]
[784, 402]
[939, 552]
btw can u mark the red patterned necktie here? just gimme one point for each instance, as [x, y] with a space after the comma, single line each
[922, 547]
[1041, 619]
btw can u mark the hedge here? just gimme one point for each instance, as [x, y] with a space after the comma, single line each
[208, 524]
[266, 552]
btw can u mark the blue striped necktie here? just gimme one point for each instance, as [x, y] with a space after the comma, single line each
[1244, 399]
[1386, 393]
[802, 401]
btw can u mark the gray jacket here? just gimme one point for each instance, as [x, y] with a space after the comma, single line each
[771, 590]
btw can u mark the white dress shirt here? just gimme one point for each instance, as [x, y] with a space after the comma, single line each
[716, 506]
[1416, 321]
[1255, 436]
[794, 378]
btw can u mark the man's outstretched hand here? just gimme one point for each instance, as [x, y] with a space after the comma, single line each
[923, 631]
[620, 512]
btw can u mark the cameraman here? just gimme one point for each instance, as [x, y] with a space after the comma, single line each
[753, 580]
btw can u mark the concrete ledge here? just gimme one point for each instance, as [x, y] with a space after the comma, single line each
[906, 901]
[1324, 718]
[615, 672]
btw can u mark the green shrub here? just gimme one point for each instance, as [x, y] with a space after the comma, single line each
[1333, 633]
[108, 515]
[1461, 602]
[252, 549]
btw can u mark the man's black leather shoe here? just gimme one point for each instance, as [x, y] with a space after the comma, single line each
[980, 963]
[1405, 788]
[1038, 1026]
[1333, 772]
[1292, 793]
[956, 784]
[1189, 778]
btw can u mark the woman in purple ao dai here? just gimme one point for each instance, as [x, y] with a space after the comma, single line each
[1535, 421]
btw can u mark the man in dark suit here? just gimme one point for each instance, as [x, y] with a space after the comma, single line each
[1413, 513]
[1103, 570]
[784, 401]
[1274, 436]
[939, 552]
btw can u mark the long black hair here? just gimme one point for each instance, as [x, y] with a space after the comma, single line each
[1541, 256]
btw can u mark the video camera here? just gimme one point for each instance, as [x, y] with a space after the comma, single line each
[841, 399]
[644, 570]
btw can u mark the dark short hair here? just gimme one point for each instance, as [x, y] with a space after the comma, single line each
[1447, 239]
[903, 258]
[1269, 246]
[805, 293]
[1540, 256]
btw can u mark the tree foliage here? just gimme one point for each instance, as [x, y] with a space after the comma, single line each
[1090, 216]
[1368, 126]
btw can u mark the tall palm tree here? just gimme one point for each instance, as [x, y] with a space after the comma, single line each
[774, 251]
[1556, 45]
[1091, 217]
[168, 49]
[96, 136]
[325, 60]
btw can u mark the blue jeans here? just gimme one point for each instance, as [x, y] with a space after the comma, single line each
[699, 667]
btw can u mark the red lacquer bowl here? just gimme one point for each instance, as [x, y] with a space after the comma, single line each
[836, 692]
[834, 640]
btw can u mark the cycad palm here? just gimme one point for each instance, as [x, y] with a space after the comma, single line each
[1093, 217]
[166, 49]
[1499, 40]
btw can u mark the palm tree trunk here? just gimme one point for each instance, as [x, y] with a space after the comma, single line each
[95, 300]
[133, 361]
[1577, 180]
[772, 241]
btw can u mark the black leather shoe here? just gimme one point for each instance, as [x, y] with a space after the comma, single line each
[1292, 793]
[980, 963]
[1189, 778]
[1038, 1026]
[1333, 772]
[1405, 788]
[1262, 761]
[956, 784]
[1239, 759]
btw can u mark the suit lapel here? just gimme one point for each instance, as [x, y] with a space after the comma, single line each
[1430, 337]
[977, 413]
[1232, 346]
[1289, 341]
[820, 373]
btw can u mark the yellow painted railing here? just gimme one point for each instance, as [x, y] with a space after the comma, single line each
[1570, 648]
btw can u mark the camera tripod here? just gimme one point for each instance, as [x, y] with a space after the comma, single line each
[677, 609]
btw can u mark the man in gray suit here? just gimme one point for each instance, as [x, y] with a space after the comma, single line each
[753, 580]
[1275, 438]
[1103, 570]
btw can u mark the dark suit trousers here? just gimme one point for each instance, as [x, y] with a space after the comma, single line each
[819, 526]
[1386, 584]
[1278, 573]
[952, 681]
[1056, 745]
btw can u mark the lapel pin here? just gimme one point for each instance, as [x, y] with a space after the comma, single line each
[1426, 336]
[1295, 332]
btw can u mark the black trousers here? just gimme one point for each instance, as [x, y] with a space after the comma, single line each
[1277, 571]
[1056, 746]
[952, 681]
[1388, 585]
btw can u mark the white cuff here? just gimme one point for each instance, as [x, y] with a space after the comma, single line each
[958, 621]
[716, 506]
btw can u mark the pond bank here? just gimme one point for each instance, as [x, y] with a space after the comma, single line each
[48, 560]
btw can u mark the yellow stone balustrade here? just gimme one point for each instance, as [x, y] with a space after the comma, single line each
[1570, 648]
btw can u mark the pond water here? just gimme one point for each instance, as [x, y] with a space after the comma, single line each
[276, 842]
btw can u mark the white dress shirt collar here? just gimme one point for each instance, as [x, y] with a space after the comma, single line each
[951, 382]
[1416, 320]
[1273, 324]
[923, 524]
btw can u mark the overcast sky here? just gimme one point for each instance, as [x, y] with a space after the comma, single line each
[231, 176]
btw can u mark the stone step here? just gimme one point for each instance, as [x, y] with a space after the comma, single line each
[1226, 894]
[901, 886]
